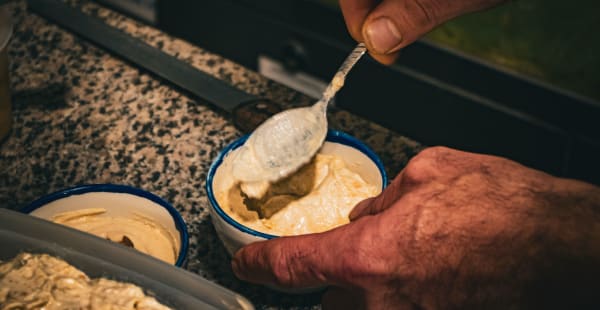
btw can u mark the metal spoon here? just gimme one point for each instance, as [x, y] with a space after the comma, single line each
[289, 139]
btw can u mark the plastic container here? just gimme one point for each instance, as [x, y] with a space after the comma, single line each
[172, 286]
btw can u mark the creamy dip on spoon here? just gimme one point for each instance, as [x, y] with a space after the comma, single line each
[287, 140]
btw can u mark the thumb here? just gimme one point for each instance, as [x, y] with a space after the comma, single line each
[300, 261]
[394, 24]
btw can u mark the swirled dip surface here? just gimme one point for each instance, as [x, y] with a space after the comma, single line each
[41, 281]
[135, 231]
[316, 198]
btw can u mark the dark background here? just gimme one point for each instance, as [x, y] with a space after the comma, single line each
[434, 95]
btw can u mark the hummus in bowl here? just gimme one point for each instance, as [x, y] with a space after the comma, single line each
[316, 198]
[122, 214]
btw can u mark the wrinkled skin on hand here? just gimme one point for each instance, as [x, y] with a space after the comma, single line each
[453, 230]
[409, 19]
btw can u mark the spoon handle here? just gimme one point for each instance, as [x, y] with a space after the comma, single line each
[352, 59]
[338, 80]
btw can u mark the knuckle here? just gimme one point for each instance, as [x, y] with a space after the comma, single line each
[416, 168]
[428, 17]
[281, 272]
[435, 152]
[425, 165]
[412, 173]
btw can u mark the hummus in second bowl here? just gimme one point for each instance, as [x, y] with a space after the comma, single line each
[124, 218]
[136, 231]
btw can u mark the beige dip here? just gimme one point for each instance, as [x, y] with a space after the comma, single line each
[40, 281]
[136, 231]
[316, 198]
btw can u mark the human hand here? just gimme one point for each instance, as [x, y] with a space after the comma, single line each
[386, 26]
[453, 230]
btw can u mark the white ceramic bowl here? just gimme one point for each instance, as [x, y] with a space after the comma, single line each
[234, 235]
[118, 201]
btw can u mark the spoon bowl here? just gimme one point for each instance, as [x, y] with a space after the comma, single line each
[289, 139]
[281, 144]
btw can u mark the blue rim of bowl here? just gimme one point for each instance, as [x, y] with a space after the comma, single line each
[116, 188]
[332, 136]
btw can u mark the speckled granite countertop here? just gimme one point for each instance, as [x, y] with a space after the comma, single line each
[84, 116]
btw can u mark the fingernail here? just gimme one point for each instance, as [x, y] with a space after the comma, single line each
[382, 35]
